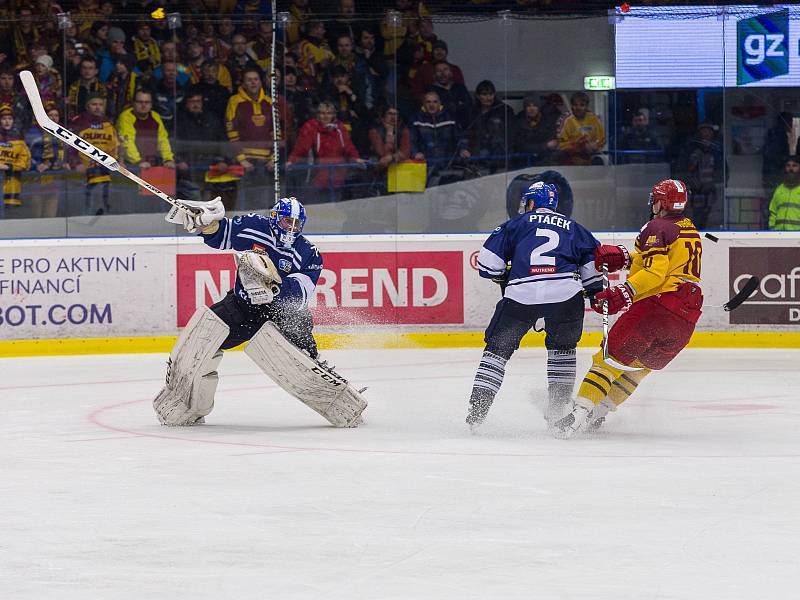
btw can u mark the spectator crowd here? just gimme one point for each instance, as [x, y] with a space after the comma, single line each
[354, 96]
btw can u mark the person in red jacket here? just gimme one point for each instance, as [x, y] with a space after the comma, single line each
[324, 141]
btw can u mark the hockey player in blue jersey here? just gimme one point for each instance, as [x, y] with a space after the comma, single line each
[277, 271]
[544, 262]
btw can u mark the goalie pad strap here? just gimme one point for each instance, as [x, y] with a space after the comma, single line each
[323, 390]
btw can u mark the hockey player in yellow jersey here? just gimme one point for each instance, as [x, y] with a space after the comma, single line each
[663, 299]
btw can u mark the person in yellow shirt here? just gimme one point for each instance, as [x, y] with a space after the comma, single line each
[15, 157]
[144, 137]
[582, 135]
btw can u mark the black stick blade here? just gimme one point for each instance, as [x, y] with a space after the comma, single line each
[747, 290]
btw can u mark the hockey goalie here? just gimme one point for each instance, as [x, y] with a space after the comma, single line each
[277, 271]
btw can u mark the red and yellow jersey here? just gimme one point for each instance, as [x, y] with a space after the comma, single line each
[668, 253]
[100, 133]
[14, 152]
[249, 126]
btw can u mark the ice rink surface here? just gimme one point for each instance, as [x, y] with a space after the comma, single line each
[691, 490]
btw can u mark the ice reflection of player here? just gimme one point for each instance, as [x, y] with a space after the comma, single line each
[456, 208]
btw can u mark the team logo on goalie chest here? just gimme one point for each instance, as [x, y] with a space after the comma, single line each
[285, 264]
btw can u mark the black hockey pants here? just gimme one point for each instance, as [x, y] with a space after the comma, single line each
[563, 324]
[245, 319]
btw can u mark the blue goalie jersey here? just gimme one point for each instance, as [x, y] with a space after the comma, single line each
[552, 258]
[300, 266]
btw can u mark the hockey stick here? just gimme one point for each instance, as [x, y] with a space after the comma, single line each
[73, 140]
[276, 129]
[605, 312]
[748, 289]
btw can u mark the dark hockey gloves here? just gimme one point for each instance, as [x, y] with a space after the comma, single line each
[616, 257]
[618, 297]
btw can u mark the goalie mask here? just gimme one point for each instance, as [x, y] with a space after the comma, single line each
[671, 194]
[287, 218]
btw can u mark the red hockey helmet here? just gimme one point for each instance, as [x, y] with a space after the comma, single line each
[671, 194]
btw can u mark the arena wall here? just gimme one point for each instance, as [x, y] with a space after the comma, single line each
[85, 296]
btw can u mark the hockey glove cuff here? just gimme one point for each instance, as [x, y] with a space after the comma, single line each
[618, 297]
[194, 215]
[615, 257]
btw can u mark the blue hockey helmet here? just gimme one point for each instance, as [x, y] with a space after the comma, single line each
[287, 218]
[541, 195]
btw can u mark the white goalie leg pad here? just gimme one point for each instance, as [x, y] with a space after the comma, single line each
[319, 388]
[192, 379]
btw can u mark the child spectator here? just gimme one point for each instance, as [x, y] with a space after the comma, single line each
[47, 79]
[15, 158]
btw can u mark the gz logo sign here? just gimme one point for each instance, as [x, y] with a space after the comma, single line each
[763, 47]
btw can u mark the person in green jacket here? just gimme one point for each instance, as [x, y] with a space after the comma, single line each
[784, 209]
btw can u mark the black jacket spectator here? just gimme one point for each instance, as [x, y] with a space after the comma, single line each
[490, 134]
[639, 144]
[435, 135]
[215, 95]
[533, 136]
[454, 96]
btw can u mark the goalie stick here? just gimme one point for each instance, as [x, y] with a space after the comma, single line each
[75, 141]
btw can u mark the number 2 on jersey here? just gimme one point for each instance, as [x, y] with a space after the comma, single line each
[539, 262]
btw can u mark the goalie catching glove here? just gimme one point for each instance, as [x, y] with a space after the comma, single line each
[194, 215]
[259, 277]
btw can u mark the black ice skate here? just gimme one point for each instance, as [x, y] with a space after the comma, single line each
[479, 405]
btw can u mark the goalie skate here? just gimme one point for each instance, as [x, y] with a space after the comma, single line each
[313, 383]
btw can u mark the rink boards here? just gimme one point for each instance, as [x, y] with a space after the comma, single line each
[90, 295]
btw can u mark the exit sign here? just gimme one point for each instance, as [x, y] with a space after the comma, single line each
[598, 82]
